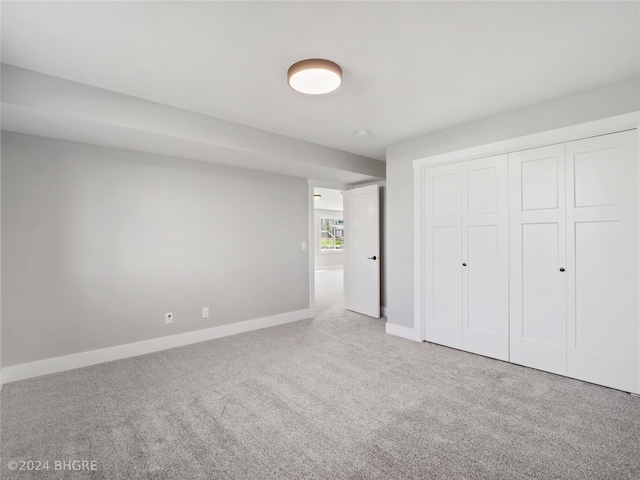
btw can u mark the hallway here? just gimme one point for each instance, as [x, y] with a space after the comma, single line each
[329, 289]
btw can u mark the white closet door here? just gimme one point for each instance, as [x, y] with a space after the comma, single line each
[602, 270]
[537, 248]
[443, 262]
[485, 257]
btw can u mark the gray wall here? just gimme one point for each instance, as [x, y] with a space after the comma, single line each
[98, 243]
[596, 104]
[326, 259]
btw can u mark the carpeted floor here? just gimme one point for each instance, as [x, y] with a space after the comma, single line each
[327, 398]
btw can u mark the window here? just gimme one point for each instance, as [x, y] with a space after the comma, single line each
[331, 234]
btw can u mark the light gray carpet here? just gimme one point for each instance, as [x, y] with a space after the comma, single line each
[328, 398]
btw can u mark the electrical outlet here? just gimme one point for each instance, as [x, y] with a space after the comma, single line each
[168, 318]
[205, 312]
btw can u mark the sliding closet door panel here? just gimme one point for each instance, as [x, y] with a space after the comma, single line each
[537, 248]
[485, 328]
[602, 265]
[443, 256]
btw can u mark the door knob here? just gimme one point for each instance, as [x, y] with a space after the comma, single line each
[464, 264]
[372, 258]
[562, 269]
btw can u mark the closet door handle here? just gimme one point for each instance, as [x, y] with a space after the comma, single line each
[372, 258]
[562, 269]
[464, 264]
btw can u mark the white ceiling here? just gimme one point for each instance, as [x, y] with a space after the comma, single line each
[330, 199]
[410, 68]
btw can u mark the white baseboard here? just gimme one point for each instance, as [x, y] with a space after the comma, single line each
[93, 357]
[404, 332]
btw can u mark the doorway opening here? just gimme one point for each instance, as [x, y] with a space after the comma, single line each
[328, 242]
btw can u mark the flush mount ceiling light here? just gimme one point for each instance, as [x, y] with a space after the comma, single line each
[314, 76]
[316, 197]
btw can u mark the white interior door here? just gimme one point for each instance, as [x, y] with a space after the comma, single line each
[485, 257]
[362, 250]
[443, 255]
[602, 266]
[537, 253]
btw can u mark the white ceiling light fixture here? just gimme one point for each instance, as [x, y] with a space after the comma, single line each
[314, 76]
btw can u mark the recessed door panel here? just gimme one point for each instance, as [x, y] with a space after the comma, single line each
[597, 326]
[483, 279]
[541, 320]
[596, 178]
[482, 194]
[447, 279]
[539, 180]
[446, 194]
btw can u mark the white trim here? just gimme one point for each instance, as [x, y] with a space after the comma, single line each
[638, 233]
[418, 238]
[404, 332]
[559, 135]
[93, 357]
